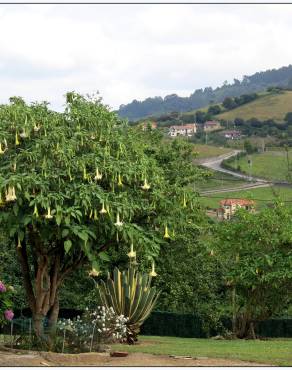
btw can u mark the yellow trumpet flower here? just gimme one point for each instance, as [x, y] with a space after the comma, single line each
[19, 243]
[211, 252]
[132, 253]
[36, 128]
[1, 150]
[90, 214]
[69, 174]
[184, 201]
[95, 215]
[166, 234]
[10, 194]
[1, 200]
[35, 211]
[103, 210]
[98, 176]
[94, 272]
[152, 272]
[23, 134]
[120, 180]
[146, 186]
[84, 173]
[118, 223]
[16, 139]
[48, 215]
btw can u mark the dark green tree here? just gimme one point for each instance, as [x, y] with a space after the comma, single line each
[214, 109]
[288, 118]
[255, 250]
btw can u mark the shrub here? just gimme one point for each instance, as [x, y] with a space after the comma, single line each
[6, 312]
[92, 330]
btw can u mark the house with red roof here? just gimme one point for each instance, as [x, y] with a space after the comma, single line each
[211, 126]
[229, 206]
[149, 124]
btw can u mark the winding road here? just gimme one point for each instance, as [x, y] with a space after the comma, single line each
[215, 164]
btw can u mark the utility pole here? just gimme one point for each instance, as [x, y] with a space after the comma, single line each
[250, 168]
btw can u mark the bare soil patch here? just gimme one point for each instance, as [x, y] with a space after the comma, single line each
[32, 358]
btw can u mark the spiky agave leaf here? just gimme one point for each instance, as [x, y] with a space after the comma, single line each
[129, 293]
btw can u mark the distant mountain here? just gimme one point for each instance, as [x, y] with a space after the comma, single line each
[173, 103]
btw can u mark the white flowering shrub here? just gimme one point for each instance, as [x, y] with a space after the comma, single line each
[91, 331]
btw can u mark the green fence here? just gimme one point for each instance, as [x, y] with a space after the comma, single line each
[169, 324]
[173, 324]
[191, 326]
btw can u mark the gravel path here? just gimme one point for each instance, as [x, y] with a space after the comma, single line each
[104, 359]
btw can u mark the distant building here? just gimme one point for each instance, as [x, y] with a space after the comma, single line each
[183, 130]
[233, 134]
[152, 125]
[211, 126]
[229, 206]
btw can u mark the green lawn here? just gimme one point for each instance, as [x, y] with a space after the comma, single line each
[219, 180]
[271, 165]
[274, 352]
[206, 151]
[262, 196]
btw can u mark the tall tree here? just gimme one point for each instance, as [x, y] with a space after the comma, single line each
[76, 186]
[256, 252]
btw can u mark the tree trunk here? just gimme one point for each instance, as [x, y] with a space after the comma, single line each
[244, 327]
[52, 321]
[42, 286]
[38, 325]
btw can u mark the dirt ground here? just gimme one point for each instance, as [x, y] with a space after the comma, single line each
[31, 358]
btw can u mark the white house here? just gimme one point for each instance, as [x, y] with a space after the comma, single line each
[183, 130]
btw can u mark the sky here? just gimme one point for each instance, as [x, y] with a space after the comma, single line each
[128, 52]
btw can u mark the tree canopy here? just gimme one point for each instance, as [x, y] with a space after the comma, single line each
[256, 252]
[77, 185]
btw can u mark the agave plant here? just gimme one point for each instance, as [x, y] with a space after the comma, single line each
[130, 294]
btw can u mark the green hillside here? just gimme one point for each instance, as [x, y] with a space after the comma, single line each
[271, 165]
[269, 106]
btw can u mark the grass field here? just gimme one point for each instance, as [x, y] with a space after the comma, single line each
[219, 180]
[262, 196]
[271, 165]
[206, 151]
[269, 106]
[274, 352]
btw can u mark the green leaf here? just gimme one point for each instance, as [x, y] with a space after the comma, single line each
[104, 256]
[83, 236]
[65, 232]
[67, 245]
[58, 219]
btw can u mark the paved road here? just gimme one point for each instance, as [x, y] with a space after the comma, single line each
[216, 165]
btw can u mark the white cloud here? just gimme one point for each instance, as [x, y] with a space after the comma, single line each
[136, 51]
